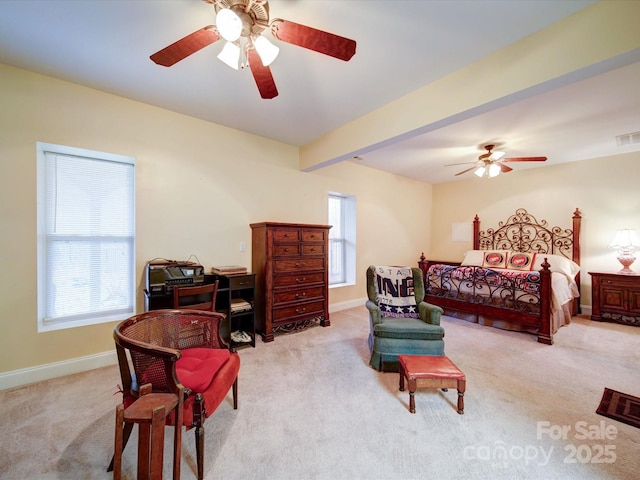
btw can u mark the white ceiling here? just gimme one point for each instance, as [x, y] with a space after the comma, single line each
[401, 46]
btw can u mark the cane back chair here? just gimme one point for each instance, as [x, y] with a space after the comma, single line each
[173, 349]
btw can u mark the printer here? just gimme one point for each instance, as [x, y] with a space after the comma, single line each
[161, 275]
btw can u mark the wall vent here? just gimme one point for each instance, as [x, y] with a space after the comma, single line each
[628, 139]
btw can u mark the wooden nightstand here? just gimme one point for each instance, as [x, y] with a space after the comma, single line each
[615, 298]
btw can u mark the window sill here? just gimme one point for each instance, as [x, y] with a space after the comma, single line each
[338, 285]
[62, 325]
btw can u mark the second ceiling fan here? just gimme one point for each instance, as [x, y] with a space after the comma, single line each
[492, 163]
[241, 23]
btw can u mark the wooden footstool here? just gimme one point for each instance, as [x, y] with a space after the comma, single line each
[430, 372]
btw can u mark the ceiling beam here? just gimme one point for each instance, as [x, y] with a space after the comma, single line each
[599, 38]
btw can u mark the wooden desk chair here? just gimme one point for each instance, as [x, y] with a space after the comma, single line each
[202, 297]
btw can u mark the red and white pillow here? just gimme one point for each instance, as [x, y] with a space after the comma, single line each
[495, 259]
[521, 261]
[501, 259]
[558, 263]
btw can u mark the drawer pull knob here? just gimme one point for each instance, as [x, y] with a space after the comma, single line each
[300, 280]
[301, 310]
[286, 249]
[300, 295]
[299, 265]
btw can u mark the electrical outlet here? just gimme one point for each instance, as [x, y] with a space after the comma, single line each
[243, 246]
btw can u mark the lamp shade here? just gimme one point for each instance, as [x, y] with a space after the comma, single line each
[625, 239]
[228, 24]
[267, 50]
[494, 170]
[230, 55]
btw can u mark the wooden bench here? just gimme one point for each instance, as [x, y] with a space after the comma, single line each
[430, 372]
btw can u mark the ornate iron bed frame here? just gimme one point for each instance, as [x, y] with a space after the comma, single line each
[521, 232]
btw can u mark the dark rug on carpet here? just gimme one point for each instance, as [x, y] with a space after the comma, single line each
[620, 406]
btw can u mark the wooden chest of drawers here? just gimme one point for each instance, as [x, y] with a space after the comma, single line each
[292, 278]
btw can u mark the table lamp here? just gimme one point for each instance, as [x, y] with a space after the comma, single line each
[626, 242]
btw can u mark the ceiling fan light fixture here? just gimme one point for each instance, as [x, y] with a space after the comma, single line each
[241, 22]
[229, 24]
[491, 170]
[267, 50]
[230, 55]
[494, 170]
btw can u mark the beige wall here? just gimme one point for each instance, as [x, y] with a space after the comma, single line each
[605, 190]
[198, 187]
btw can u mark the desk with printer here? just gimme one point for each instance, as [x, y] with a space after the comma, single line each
[235, 297]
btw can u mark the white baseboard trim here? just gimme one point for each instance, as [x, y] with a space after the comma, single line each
[17, 378]
[336, 307]
[24, 376]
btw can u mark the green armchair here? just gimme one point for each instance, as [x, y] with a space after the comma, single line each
[391, 336]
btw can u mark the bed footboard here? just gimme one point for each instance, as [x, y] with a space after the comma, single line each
[521, 297]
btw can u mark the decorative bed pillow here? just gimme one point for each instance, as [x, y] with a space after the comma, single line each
[520, 260]
[494, 259]
[394, 292]
[475, 258]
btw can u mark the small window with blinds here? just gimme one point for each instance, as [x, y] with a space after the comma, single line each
[86, 237]
[342, 239]
[337, 241]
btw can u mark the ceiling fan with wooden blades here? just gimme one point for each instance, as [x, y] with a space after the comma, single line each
[241, 23]
[492, 163]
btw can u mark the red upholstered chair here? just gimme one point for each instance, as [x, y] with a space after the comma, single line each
[171, 349]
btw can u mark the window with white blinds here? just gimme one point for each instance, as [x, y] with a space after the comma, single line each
[337, 241]
[342, 239]
[86, 237]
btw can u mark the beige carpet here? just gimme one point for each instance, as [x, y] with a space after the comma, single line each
[311, 408]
